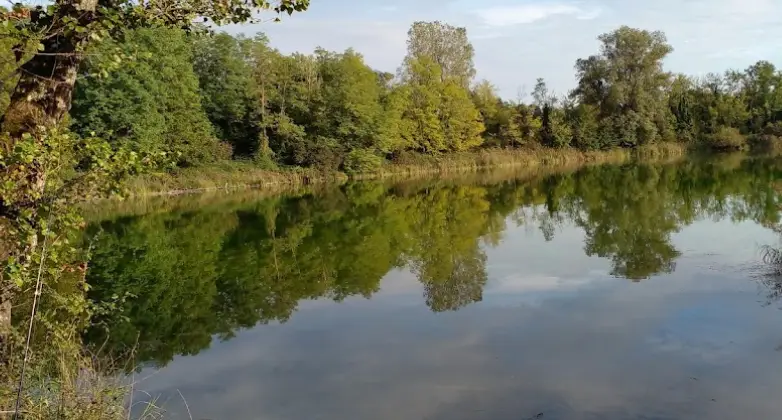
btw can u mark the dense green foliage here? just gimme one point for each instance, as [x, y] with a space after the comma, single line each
[152, 103]
[152, 85]
[332, 111]
[190, 274]
[44, 169]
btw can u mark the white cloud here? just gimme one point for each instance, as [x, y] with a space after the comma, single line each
[531, 283]
[529, 13]
[589, 15]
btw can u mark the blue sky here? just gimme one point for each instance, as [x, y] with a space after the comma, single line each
[518, 41]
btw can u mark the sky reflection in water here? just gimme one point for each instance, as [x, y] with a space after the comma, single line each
[553, 334]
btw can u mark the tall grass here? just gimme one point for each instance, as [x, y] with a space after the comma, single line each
[225, 175]
[46, 370]
[410, 164]
[69, 385]
[242, 175]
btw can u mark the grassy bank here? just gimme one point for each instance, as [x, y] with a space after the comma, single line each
[232, 175]
[226, 175]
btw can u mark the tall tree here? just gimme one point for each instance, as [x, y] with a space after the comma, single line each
[440, 115]
[542, 96]
[761, 84]
[446, 45]
[264, 63]
[626, 81]
[66, 28]
[228, 91]
[461, 122]
[554, 132]
[152, 102]
[395, 132]
[484, 95]
[425, 100]
[680, 102]
[349, 107]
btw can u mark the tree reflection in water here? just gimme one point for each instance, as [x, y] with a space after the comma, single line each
[188, 275]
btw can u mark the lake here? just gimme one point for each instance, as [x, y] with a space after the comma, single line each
[611, 292]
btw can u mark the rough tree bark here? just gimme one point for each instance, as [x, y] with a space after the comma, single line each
[44, 92]
[6, 293]
[43, 95]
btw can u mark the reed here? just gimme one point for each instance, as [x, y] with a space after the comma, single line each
[234, 175]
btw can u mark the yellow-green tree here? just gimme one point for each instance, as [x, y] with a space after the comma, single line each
[441, 117]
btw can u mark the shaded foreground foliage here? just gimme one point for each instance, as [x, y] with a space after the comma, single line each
[44, 370]
[188, 275]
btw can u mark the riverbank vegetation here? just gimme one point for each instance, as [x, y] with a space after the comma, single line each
[206, 99]
[233, 111]
[242, 174]
[96, 92]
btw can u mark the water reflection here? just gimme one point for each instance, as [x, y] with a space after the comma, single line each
[181, 278]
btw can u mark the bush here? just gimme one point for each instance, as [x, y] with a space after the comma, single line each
[317, 152]
[223, 151]
[361, 161]
[265, 160]
[770, 141]
[766, 143]
[322, 154]
[727, 138]
[773, 129]
[404, 157]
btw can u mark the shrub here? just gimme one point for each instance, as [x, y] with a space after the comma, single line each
[727, 138]
[223, 151]
[361, 161]
[769, 141]
[766, 143]
[323, 154]
[773, 129]
[264, 159]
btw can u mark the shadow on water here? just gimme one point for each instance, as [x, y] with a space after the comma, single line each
[183, 277]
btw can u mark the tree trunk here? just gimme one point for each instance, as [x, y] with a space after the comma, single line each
[44, 92]
[5, 293]
[41, 99]
[5, 323]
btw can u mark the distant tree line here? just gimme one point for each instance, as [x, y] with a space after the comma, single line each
[205, 98]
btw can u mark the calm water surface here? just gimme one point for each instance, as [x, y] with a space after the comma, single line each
[620, 292]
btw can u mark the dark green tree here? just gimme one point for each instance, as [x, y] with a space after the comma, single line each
[229, 94]
[151, 103]
[627, 83]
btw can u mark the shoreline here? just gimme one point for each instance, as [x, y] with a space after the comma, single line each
[239, 175]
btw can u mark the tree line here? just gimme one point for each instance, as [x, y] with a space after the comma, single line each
[179, 278]
[208, 97]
